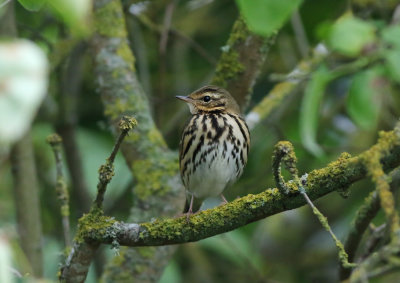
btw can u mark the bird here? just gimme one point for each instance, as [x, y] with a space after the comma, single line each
[214, 146]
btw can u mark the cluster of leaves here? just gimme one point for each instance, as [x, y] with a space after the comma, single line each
[73, 12]
[371, 51]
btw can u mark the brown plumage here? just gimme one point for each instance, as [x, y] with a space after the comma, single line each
[214, 145]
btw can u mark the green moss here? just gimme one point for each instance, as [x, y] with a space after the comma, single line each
[116, 109]
[372, 161]
[229, 65]
[106, 172]
[146, 252]
[228, 68]
[65, 210]
[152, 174]
[126, 54]
[94, 225]
[116, 271]
[109, 20]
[200, 224]
[239, 32]
[156, 138]
[127, 123]
[54, 139]
[273, 99]
[133, 137]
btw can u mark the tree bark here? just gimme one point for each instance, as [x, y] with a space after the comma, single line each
[26, 199]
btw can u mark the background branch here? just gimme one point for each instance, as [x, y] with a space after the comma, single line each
[282, 90]
[240, 62]
[71, 75]
[55, 142]
[158, 190]
[26, 198]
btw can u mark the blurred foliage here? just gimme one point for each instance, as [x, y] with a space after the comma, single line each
[339, 107]
[266, 16]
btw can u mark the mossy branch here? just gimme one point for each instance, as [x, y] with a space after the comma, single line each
[381, 180]
[55, 141]
[388, 254]
[94, 223]
[99, 229]
[338, 174]
[106, 171]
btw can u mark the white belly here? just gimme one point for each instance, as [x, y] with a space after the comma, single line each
[214, 173]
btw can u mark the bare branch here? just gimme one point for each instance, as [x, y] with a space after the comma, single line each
[55, 142]
[26, 199]
[364, 216]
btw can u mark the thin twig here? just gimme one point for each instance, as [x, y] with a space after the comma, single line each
[193, 44]
[4, 3]
[377, 236]
[364, 216]
[300, 34]
[106, 171]
[324, 222]
[284, 152]
[55, 142]
[166, 26]
[70, 74]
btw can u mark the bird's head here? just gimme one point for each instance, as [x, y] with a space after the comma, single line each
[211, 99]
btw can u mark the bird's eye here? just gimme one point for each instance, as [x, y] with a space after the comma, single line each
[206, 98]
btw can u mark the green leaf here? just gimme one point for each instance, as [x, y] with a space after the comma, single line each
[349, 35]
[266, 16]
[391, 35]
[363, 101]
[171, 273]
[241, 255]
[32, 5]
[75, 13]
[310, 109]
[392, 64]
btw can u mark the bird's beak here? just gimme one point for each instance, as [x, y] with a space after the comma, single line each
[185, 98]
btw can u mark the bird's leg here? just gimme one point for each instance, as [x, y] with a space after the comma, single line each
[190, 211]
[224, 201]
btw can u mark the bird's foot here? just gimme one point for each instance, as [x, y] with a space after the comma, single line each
[190, 212]
[224, 201]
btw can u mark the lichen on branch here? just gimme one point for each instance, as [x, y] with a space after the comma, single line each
[240, 61]
[338, 174]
